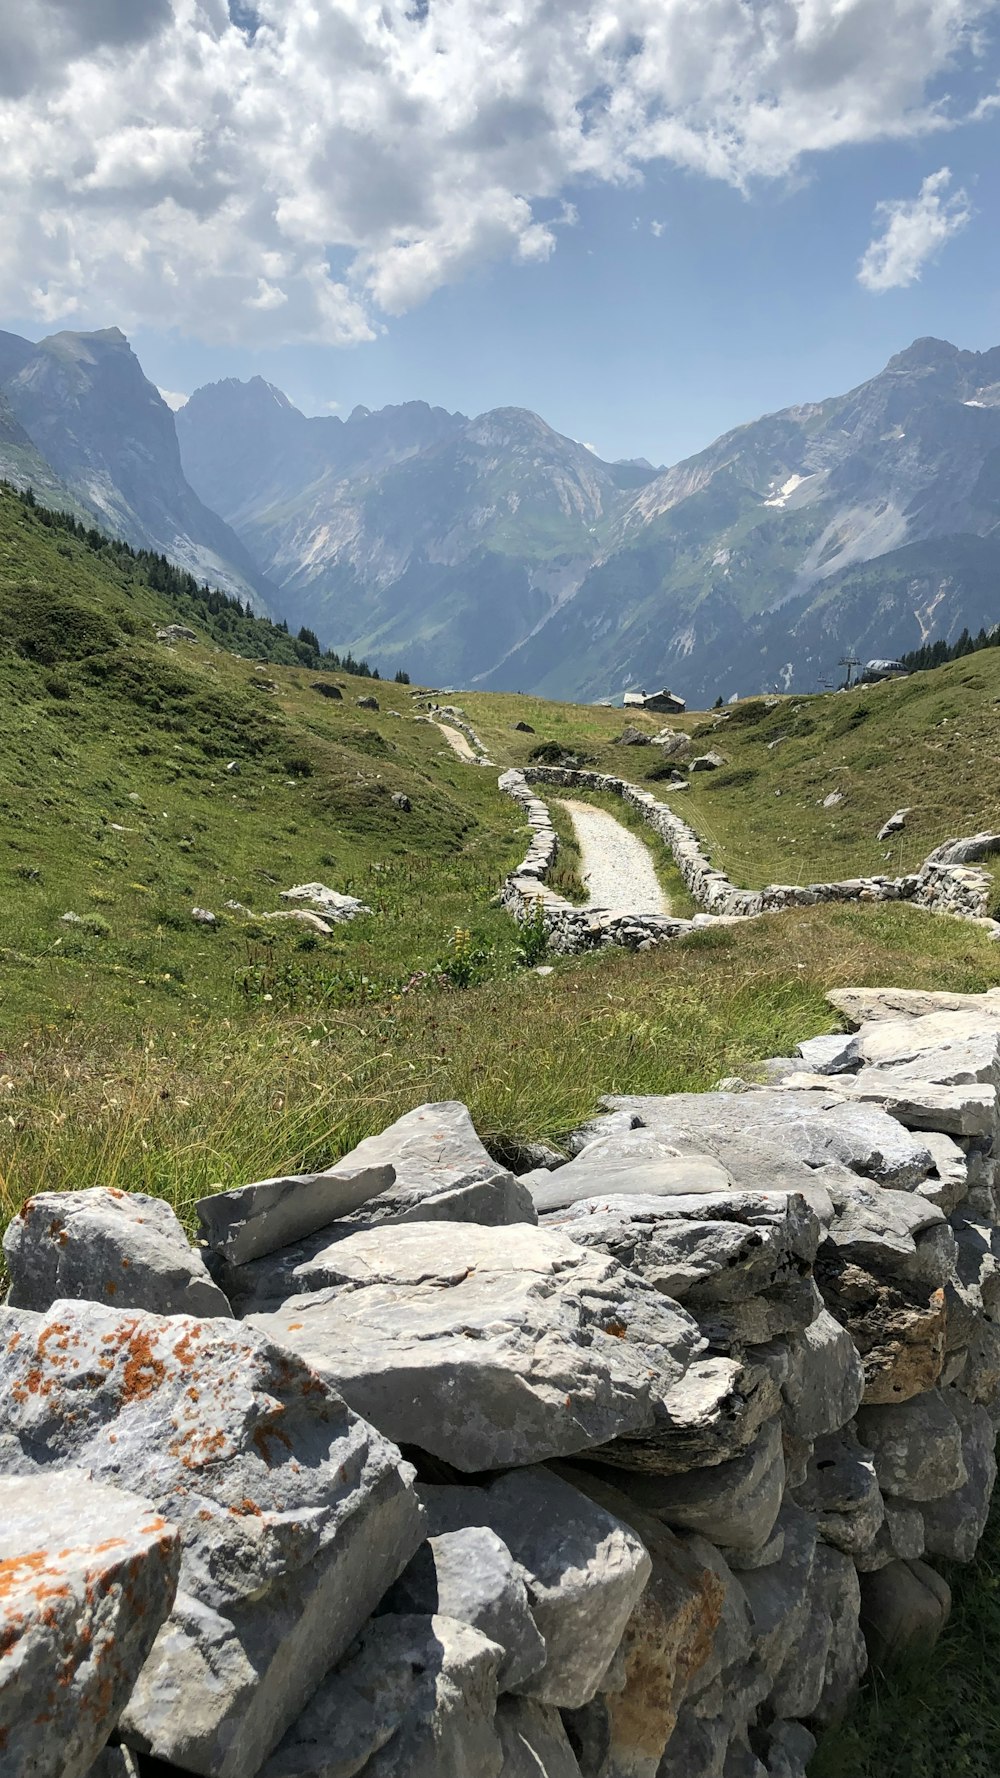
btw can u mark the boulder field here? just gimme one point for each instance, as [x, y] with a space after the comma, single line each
[623, 1467]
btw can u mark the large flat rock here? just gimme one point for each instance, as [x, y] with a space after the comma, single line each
[495, 1347]
[966, 1109]
[88, 1574]
[633, 1163]
[948, 1048]
[256, 1219]
[295, 1515]
[859, 1006]
[122, 1248]
[859, 1137]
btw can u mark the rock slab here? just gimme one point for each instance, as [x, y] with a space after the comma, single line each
[88, 1574]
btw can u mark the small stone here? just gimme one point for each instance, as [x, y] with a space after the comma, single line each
[204, 917]
[470, 1574]
[88, 1575]
[734, 1504]
[400, 800]
[367, 703]
[842, 1489]
[825, 1382]
[253, 1220]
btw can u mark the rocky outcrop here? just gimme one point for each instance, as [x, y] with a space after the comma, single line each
[681, 1440]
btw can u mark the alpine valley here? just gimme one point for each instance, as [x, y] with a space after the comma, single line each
[495, 551]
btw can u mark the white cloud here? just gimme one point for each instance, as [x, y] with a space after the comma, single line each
[913, 231]
[173, 399]
[657, 228]
[299, 169]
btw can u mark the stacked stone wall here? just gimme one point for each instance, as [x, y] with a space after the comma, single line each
[627, 1465]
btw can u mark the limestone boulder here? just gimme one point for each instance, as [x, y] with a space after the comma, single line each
[720, 1254]
[955, 1522]
[898, 1328]
[585, 1570]
[861, 1138]
[469, 1574]
[88, 1575]
[257, 1219]
[824, 1382]
[415, 1697]
[950, 1048]
[295, 1516]
[122, 1248]
[862, 1006]
[916, 1446]
[636, 1163]
[734, 1504]
[665, 1645]
[492, 1347]
[841, 1489]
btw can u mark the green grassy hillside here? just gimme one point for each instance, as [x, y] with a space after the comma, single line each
[142, 1049]
[930, 742]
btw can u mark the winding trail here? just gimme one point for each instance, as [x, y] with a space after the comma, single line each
[617, 866]
[456, 739]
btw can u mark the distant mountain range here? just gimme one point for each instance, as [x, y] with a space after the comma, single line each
[494, 550]
[81, 424]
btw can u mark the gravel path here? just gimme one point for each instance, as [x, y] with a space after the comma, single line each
[617, 867]
[456, 739]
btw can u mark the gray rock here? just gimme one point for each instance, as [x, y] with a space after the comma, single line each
[841, 1489]
[400, 800]
[895, 824]
[790, 1747]
[825, 1381]
[415, 1697]
[633, 1164]
[955, 1522]
[258, 1219]
[490, 1347]
[122, 1248]
[903, 1604]
[859, 1137]
[585, 1571]
[879, 1228]
[698, 1746]
[294, 1514]
[89, 1574]
[946, 1047]
[860, 1006]
[916, 1445]
[900, 1536]
[368, 703]
[779, 1596]
[719, 1248]
[964, 1110]
[707, 762]
[734, 1504]
[534, 1742]
[949, 1183]
[611, 1123]
[827, 1055]
[470, 1574]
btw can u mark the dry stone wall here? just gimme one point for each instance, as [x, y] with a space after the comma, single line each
[947, 882]
[622, 1468]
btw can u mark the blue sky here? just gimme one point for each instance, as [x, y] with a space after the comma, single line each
[644, 281]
